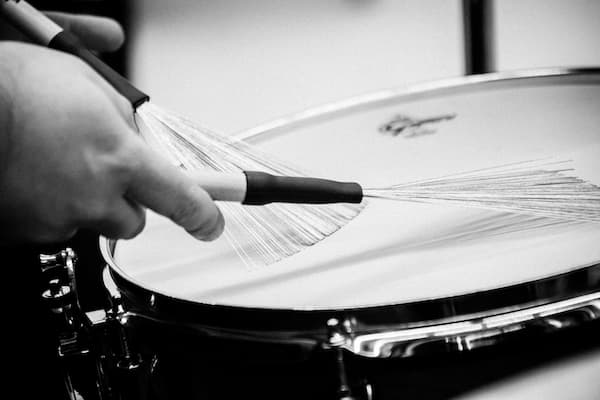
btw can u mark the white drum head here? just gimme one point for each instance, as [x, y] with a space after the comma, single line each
[400, 252]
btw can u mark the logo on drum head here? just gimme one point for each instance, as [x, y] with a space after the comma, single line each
[408, 127]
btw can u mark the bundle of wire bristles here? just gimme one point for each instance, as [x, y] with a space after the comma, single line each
[262, 235]
[544, 188]
[265, 234]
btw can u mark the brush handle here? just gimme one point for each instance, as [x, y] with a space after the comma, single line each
[265, 188]
[260, 188]
[42, 30]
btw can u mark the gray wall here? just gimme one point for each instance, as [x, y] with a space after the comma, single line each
[233, 64]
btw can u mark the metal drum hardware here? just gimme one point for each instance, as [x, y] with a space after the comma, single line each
[97, 359]
[339, 335]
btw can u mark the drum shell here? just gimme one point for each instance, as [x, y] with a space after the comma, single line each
[181, 362]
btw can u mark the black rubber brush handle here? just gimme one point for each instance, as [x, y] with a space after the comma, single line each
[264, 188]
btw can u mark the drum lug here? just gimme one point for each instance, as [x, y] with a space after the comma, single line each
[125, 370]
[339, 336]
[64, 259]
[60, 293]
[120, 369]
[128, 359]
[82, 372]
[128, 369]
[93, 347]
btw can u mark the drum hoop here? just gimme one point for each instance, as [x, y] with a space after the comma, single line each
[307, 322]
[419, 91]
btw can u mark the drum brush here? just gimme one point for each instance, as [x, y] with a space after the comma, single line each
[260, 235]
[546, 188]
[260, 188]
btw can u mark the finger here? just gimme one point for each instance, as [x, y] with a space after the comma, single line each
[162, 187]
[124, 220]
[97, 33]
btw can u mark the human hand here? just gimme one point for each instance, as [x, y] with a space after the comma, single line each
[70, 156]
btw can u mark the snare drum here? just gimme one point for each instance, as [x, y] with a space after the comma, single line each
[406, 299]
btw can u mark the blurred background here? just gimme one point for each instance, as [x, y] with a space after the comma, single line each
[233, 64]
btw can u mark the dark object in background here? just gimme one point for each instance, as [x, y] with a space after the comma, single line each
[478, 25]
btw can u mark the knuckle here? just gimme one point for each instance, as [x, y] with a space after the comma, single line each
[104, 137]
[123, 161]
[121, 226]
[130, 152]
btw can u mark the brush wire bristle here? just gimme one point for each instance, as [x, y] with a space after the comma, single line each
[263, 235]
[544, 188]
[260, 235]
